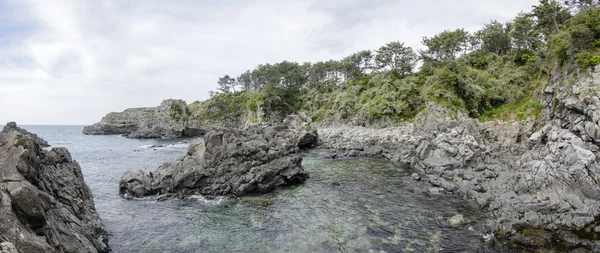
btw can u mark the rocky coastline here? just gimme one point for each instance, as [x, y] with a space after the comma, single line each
[539, 174]
[46, 204]
[171, 119]
[538, 178]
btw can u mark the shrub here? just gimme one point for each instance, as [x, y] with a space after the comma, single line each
[586, 59]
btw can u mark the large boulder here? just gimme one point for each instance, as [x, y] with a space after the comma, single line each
[46, 206]
[230, 161]
[171, 119]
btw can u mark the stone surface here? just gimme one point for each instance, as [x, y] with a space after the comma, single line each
[171, 119]
[456, 220]
[45, 204]
[395, 144]
[8, 247]
[230, 161]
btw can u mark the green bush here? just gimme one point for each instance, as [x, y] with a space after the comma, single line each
[587, 59]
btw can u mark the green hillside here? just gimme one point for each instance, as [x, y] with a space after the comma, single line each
[496, 73]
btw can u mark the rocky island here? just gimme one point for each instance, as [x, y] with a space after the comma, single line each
[229, 162]
[171, 119]
[46, 204]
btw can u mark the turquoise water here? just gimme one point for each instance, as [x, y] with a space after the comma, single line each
[353, 205]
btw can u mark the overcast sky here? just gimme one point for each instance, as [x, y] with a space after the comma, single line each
[72, 62]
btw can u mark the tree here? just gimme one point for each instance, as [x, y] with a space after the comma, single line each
[290, 74]
[397, 58]
[581, 5]
[523, 32]
[226, 84]
[445, 47]
[325, 75]
[551, 17]
[358, 64]
[494, 38]
[245, 81]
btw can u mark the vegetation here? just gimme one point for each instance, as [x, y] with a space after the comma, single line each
[490, 74]
[178, 113]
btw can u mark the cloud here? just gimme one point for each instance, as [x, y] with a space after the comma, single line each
[71, 62]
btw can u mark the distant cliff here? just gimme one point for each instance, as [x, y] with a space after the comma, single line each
[171, 119]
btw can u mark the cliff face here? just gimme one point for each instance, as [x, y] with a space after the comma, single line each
[46, 204]
[171, 119]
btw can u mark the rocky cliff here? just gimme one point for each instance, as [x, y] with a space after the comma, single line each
[230, 161]
[540, 174]
[46, 205]
[171, 119]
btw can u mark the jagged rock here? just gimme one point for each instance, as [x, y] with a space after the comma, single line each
[7, 247]
[230, 161]
[13, 126]
[171, 119]
[308, 139]
[45, 204]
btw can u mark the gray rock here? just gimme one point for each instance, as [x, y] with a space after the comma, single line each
[45, 204]
[434, 191]
[415, 176]
[230, 161]
[171, 119]
[308, 139]
[8, 247]
[456, 220]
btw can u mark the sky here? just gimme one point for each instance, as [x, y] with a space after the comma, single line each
[71, 62]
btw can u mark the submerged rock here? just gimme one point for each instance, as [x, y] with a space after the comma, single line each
[230, 161]
[171, 119]
[456, 220]
[46, 204]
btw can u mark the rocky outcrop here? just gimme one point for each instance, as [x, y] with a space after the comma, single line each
[171, 119]
[534, 174]
[396, 144]
[230, 161]
[45, 204]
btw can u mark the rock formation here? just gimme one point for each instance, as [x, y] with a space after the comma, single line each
[171, 119]
[528, 174]
[46, 205]
[230, 161]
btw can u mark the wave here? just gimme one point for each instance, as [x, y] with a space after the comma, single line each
[208, 201]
